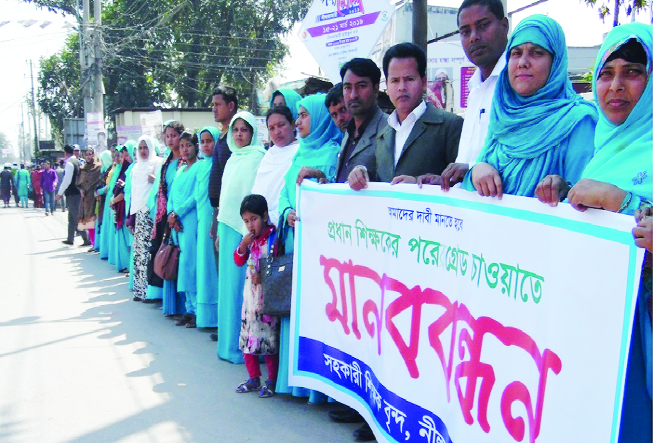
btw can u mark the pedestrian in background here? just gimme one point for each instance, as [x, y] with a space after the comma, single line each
[6, 185]
[48, 184]
[22, 183]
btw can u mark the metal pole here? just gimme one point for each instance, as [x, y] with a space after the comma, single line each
[420, 23]
[36, 133]
[86, 51]
[98, 97]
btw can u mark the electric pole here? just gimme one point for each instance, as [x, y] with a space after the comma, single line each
[420, 23]
[98, 98]
[36, 133]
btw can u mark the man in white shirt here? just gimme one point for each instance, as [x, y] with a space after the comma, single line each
[484, 36]
[419, 138]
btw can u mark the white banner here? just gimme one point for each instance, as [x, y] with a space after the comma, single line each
[450, 317]
[335, 31]
[128, 133]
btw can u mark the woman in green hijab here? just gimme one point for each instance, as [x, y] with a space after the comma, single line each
[237, 181]
[620, 179]
[286, 97]
[538, 125]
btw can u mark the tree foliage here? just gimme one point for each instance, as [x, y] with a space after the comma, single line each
[173, 52]
[612, 7]
[59, 93]
[4, 141]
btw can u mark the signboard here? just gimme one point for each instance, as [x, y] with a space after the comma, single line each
[94, 126]
[335, 31]
[448, 72]
[152, 125]
[449, 317]
[262, 130]
[128, 133]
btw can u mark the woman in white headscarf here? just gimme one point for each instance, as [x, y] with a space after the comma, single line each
[143, 176]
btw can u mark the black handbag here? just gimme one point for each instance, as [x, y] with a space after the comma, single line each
[276, 275]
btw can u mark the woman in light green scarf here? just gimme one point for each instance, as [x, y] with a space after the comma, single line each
[237, 181]
[620, 179]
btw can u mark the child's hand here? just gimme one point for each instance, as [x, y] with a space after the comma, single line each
[256, 278]
[247, 240]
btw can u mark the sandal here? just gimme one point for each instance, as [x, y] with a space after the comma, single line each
[184, 319]
[248, 386]
[267, 390]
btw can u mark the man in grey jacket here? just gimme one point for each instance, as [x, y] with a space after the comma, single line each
[360, 87]
[419, 138]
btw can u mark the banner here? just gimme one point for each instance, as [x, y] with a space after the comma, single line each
[448, 317]
[335, 31]
[94, 126]
[152, 125]
[128, 133]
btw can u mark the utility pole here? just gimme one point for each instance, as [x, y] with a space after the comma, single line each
[84, 55]
[98, 97]
[36, 133]
[21, 148]
[420, 23]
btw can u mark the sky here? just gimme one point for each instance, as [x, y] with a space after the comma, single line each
[20, 44]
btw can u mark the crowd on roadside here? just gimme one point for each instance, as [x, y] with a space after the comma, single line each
[39, 183]
[224, 198]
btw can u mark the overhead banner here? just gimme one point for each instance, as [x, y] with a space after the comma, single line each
[335, 31]
[448, 317]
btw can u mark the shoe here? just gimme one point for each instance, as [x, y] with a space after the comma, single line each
[86, 243]
[249, 385]
[66, 242]
[192, 322]
[267, 390]
[183, 320]
[124, 271]
[137, 299]
[149, 301]
[46, 214]
[213, 336]
[364, 433]
[348, 415]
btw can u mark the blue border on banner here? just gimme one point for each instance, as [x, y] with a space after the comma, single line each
[381, 403]
[586, 228]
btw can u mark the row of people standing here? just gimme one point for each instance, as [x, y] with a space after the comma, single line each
[537, 129]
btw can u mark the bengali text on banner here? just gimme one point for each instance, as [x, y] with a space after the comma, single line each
[447, 317]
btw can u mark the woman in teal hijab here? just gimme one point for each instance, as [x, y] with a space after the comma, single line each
[182, 217]
[620, 179]
[286, 97]
[538, 124]
[107, 227]
[237, 181]
[107, 161]
[207, 274]
[120, 202]
[319, 144]
[174, 303]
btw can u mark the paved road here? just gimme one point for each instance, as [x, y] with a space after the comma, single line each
[80, 362]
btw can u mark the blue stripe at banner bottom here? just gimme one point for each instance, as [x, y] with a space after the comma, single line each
[395, 416]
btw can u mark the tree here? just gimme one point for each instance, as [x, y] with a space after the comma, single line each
[174, 52]
[4, 141]
[632, 6]
[59, 94]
